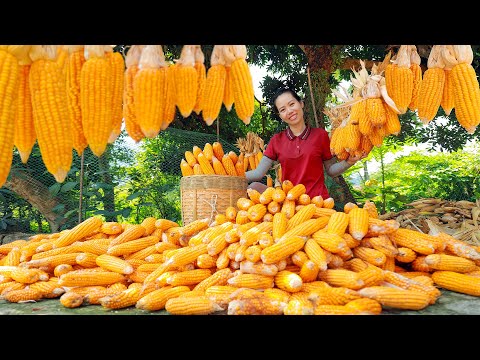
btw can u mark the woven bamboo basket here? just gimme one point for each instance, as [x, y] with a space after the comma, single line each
[205, 196]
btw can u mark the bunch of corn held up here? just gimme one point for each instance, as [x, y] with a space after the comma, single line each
[279, 252]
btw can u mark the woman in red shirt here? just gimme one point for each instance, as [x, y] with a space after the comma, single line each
[302, 151]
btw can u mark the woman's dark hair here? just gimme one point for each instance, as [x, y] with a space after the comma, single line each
[280, 91]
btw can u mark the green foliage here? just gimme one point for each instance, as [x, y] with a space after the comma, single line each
[450, 176]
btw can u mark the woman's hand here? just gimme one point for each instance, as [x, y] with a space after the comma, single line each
[352, 159]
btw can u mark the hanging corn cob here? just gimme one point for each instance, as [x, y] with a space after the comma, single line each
[399, 79]
[415, 61]
[96, 89]
[465, 86]
[448, 96]
[150, 90]
[186, 81]
[170, 107]
[201, 77]
[25, 136]
[131, 62]
[228, 94]
[243, 93]
[433, 81]
[50, 111]
[8, 88]
[117, 64]
[75, 63]
[212, 99]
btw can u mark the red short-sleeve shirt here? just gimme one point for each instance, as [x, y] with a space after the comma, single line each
[301, 157]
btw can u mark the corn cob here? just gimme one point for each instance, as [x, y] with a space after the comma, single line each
[201, 77]
[129, 114]
[117, 63]
[415, 61]
[149, 90]
[212, 99]
[186, 81]
[80, 231]
[24, 133]
[431, 91]
[399, 79]
[243, 94]
[50, 111]
[461, 283]
[96, 90]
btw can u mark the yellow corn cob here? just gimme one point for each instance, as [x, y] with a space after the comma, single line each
[165, 224]
[309, 271]
[206, 261]
[189, 277]
[87, 260]
[252, 253]
[96, 247]
[399, 79]
[80, 231]
[228, 94]
[156, 299]
[411, 284]
[467, 96]
[450, 263]
[22, 295]
[358, 224]
[132, 232]
[396, 298]
[252, 281]
[282, 249]
[371, 256]
[304, 214]
[24, 275]
[62, 269]
[206, 166]
[375, 112]
[212, 99]
[122, 299]
[111, 228]
[228, 165]
[431, 93]
[129, 115]
[149, 90]
[48, 289]
[326, 295]
[71, 299]
[415, 61]
[288, 281]
[186, 81]
[96, 90]
[117, 64]
[218, 167]
[75, 278]
[342, 278]
[315, 253]
[413, 239]
[243, 94]
[448, 95]
[114, 263]
[50, 112]
[24, 134]
[454, 281]
[185, 168]
[199, 305]
[149, 224]
[170, 107]
[201, 77]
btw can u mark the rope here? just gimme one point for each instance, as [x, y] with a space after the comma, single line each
[213, 205]
[311, 95]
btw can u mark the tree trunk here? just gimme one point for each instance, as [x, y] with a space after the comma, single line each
[109, 194]
[38, 196]
[323, 60]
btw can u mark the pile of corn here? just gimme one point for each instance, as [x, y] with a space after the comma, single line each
[279, 252]
[212, 160]
[70, 97]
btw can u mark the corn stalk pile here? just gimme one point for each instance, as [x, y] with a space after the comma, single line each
[459, 219]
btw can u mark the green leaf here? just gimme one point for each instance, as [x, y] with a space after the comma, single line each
[55, 189]
[68, 186]
[134, 195]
